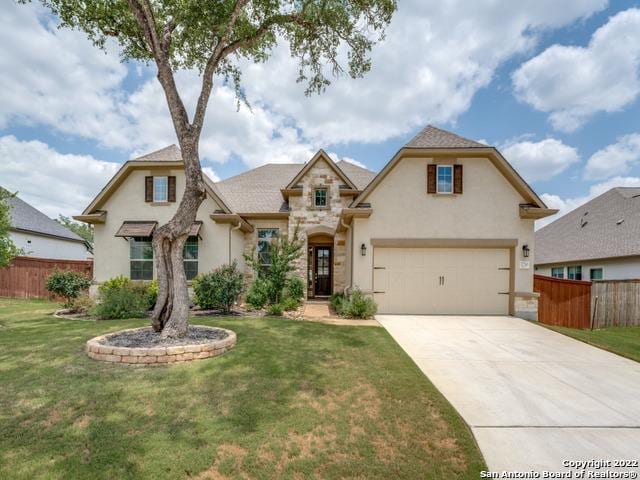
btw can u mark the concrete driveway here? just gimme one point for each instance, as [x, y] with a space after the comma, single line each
[532, 397]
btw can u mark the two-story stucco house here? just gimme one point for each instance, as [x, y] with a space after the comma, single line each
[447, 226]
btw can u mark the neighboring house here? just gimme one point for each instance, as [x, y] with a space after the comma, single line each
[40, 236]
[443, 228]
[598, 241]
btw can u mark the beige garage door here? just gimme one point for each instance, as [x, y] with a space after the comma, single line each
[441, 281]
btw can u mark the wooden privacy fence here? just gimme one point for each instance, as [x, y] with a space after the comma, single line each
[616, 303]
[26, 276]
[565, 303]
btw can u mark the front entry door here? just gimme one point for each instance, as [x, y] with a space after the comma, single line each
[322, 271]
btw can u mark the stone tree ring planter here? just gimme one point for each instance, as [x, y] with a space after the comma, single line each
[144, 346]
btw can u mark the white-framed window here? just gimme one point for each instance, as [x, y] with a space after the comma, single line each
[444, 179]
[557, 272]
[320, 197]
[574, 273]
[190, 258]
[160, 189]
[266, 236]
[596, 274]
[140, 258]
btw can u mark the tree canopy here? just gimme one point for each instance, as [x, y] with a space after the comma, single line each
[83, 230]
[8, 249]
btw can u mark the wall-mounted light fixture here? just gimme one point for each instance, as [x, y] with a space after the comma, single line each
[363, 250]
[525, 251]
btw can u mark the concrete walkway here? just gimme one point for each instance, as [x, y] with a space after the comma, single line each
[532, 397]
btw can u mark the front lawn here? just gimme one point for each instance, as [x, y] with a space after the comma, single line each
[292, 400]
[624, 341]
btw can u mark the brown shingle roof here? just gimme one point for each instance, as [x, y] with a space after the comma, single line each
[167, 154]
[258, 190]
[432, 137]
[607, 226]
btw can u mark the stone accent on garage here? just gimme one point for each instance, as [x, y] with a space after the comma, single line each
[525, 305]
[97, 350]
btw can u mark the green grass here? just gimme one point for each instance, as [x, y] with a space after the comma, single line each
[292, 400]
[624, 341]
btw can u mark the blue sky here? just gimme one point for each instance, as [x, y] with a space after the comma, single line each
[555, 89]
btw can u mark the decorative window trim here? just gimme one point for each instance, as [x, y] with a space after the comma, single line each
[157, 199]
[326, 198]
[438, 169]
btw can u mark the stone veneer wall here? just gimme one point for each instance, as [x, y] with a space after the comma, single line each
[306, 215]
[526, 306]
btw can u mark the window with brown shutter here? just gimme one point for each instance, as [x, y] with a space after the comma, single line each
[457, 179]
[431, 178]
[172, 189]
[148, 189]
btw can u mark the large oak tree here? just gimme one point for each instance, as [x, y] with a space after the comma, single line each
[327, 37]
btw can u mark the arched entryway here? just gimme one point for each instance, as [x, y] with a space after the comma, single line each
[319, 262]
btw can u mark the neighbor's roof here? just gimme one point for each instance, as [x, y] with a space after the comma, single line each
[27, 218]
[607, 226]
[432, 137]
[258, 190]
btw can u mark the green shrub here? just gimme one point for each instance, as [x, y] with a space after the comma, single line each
[121, 297]
[355, 305]
[257, 294]
[275, 309]
[83, 304]
[336, 300]
[294, 289]
[126, 302]
[289, 304]
[218, 289]
[68, 285]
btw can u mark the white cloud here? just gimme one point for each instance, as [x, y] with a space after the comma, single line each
[614, 159]
[52, 182]
[573, 83]
[209, 172]
[565, 205]
[540, 160]
[436, 56]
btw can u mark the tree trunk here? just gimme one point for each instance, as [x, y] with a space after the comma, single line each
[170, 315]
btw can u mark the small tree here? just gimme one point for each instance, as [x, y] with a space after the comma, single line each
[8, 249]
[283, 253]
[68, 285]
[212, 37]
[220, 288]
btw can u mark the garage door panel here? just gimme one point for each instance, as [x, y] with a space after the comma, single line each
[442, 281]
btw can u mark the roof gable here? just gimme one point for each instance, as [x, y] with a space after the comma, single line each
[477, 151]
[605, 227]
[166, 157]
[432, 137]
[321, 154]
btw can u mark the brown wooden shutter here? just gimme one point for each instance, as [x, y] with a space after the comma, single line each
[431, 178]
[172, 189]
[457, 179]
[148, 189]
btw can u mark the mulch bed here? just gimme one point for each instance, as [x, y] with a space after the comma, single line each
[196, 335]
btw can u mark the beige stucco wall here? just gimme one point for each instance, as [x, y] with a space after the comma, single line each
[488, 208]
[127, 203]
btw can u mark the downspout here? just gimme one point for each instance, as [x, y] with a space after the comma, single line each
[348, 227]
[233, 229]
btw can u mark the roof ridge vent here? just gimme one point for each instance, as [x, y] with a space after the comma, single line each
[620, 222]
[583, 223]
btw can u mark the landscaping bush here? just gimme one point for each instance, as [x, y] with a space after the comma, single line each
[220, 288]
[68, 285]
[294, 289]
[257, 294]
[355, 305]
[120, 297]
[275, 309]
[83, 304]
[289, 304]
